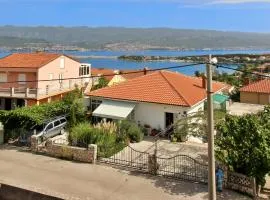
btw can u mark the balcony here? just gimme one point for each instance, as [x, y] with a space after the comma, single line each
[36, 93]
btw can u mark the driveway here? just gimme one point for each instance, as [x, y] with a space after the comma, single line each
[167, 149]
[70, 180]
[244, 108]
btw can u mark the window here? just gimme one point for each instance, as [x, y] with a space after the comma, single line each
[56, 123]
[21, 78]
[60, 78]
[51, 76]
[84, 70]
[3, 77]
[49, 127]
[94, 104]
[62, 63]
[63, 120]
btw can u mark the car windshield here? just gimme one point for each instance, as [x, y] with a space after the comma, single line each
[38, 128]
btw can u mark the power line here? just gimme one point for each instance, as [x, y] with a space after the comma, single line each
[105, 75]
[239, 70]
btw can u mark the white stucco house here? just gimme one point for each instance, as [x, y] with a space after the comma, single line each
[157, 99]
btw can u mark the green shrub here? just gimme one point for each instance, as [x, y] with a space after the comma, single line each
[134, 133]
[130, 130]
[108, 142]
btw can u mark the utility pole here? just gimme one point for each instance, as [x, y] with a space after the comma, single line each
[210, 119]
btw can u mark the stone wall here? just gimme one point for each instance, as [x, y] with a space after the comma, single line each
[8, 192]
[87, 155]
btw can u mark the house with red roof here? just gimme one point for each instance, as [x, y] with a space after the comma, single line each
[116, 76]
[33, 78]
[157, 99]
[256, 93]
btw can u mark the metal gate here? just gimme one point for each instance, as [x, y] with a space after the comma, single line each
[183, 167]
[127, 157]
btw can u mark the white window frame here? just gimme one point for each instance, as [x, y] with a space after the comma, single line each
[3, 77]
[62, 63]
[22, 77]
[60, 78]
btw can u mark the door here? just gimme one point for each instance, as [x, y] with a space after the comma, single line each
[7, 104]
[168, 119]
[48, 131]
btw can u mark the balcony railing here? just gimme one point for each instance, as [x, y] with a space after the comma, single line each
[49, 90]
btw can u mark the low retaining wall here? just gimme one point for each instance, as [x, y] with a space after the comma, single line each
[87, 155]
[8, 192]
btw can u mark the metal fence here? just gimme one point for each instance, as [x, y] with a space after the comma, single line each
[183, 167]
[127, 157]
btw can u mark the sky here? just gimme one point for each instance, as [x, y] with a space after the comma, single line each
[226, 15]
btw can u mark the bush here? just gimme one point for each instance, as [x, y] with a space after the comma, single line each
[130, 130]
[26, 117]
[108, 142]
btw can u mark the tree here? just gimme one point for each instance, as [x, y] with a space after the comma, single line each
[102, 82]
[243, 143]
[195, 125]
[76, 110]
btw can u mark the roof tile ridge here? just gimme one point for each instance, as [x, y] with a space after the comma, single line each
[172, 86]
[254, 83]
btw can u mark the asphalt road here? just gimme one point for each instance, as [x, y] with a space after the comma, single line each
[70, 180]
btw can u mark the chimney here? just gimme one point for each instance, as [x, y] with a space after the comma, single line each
[204, 81]
[145, 70]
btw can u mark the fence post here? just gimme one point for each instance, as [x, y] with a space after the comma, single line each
[152, 164]
[93, 150]
[254, 187]
[34, 143]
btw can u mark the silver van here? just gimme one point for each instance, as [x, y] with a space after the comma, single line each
[51, 128]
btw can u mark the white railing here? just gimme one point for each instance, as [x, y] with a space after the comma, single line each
[50, 89]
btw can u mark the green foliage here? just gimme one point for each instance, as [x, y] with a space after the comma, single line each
[76, 110]
[195, 125]
[102, 82]
[108, 142]
[243, 143]
[130, 130]
[24, 118]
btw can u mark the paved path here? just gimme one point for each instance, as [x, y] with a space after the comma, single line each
[71, 180]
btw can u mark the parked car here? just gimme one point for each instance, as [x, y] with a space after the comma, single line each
[51, 128]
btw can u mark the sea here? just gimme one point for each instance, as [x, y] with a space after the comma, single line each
[108, 59]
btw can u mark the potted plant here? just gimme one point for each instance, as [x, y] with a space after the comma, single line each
[148, 128]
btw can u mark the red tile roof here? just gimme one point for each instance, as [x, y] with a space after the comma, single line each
[262, 86]
[109, 73]
[130, 74]
[27, 60]
[164, 87]
[103, 72]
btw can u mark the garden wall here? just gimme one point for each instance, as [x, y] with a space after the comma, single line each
[8, 192]
[87, 155]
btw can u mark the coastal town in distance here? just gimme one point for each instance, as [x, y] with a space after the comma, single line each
[149, 100]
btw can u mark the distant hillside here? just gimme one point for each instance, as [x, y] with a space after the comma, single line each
[134, 38]
[21, 42]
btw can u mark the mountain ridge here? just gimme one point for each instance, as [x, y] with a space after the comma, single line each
[114, 38]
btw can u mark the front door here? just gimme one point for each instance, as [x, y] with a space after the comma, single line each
[168, 119]
[7, 104]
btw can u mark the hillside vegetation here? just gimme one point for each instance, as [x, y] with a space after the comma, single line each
[140, 38]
